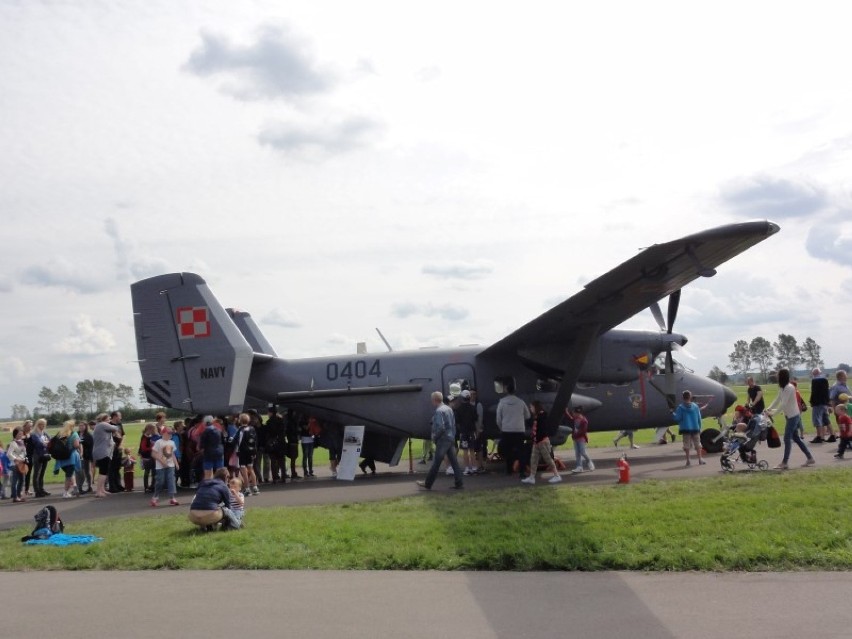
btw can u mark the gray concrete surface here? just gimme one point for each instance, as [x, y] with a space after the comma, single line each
[428, 605]
[332, 604]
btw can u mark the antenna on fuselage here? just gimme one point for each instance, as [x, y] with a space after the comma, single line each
[390, 350]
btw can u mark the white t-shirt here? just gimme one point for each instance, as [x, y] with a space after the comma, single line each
[164, 448]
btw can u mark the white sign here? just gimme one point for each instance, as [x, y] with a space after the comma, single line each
[353, 438]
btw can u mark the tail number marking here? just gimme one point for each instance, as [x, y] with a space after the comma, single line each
[348, 370]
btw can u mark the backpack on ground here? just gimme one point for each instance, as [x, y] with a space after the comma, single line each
[58, 447]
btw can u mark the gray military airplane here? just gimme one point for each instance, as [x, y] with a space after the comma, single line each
[198, 356]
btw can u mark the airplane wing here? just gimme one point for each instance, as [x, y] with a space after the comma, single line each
[657, 271]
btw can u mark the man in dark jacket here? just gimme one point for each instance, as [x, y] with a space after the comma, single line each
[820, 403]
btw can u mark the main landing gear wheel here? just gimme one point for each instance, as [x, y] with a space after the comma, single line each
[763, 464]
[707, 443]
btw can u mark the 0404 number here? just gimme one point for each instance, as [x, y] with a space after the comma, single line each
[358, 370]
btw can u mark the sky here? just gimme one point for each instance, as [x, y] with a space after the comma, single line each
[444, 171]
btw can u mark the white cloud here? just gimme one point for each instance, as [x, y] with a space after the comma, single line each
[460, 270]
[87, 338]
[277, 64]
[285, 319]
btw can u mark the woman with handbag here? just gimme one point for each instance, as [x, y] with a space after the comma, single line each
[787, 403]
[16, 451]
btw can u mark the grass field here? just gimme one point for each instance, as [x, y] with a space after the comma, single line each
[767, 521]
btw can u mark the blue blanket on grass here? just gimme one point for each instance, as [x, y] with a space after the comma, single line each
[61, 539]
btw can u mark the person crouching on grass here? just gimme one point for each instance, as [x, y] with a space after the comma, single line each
[165, 464]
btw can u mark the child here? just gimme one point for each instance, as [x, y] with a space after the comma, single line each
[4, 471]
[165, 463]
[128, 462]
[234, 514]
[844, 423]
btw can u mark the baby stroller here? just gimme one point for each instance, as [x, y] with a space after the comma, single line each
[740, 444]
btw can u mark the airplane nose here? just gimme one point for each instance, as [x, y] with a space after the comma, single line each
[730, 397]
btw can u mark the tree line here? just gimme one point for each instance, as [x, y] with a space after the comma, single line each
[762, 356]
[89, 397]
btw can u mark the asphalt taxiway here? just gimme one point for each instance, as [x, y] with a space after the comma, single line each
[334, 604]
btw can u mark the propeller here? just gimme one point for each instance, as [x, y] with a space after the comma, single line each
[667, 325]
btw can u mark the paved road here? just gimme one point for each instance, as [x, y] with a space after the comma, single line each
[331, 604]
[650, 462]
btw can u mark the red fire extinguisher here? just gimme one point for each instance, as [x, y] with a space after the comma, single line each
[623, 470]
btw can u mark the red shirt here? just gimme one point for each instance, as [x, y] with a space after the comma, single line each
[844, 422]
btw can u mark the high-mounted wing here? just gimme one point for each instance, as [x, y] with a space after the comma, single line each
[626, 290]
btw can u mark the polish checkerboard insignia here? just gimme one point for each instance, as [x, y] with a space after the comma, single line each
[193, 321]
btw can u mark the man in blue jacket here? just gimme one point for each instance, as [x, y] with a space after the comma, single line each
[688, 417]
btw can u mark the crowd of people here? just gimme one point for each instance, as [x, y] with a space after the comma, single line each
[242, 452]
[95, 456]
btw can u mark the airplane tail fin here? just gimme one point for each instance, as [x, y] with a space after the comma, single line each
[191, 354]
[251, 332]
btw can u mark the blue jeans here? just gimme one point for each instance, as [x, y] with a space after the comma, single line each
[307, 459]
[444, 448]
[791, 433]
[164, 478]
[17, 484]
[580, 454]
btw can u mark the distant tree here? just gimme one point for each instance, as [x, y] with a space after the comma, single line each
[844, 367]
[718, 374]
[64, 398]
[811, 354]
[143, 396]
[104, 394]
[787, 352]
[47, 399]
[760, 351]
[19, 411]
[124, 395]
[740, 358]
[85, 401]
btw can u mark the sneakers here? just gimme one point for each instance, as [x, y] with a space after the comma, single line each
[67, 495]
[782, 466]
[255, 490]
[591, 466]
[246, 492]
[839, 456]
[811, 461]
[449, 470]
[154, 502]
[831, 439]
[174, 502]
[467, 471]
[634, 446]
[528, 480]
[817, 440]
[577, 470]
[555, 479]
[422, 484]
[701, 462]
[688, 463]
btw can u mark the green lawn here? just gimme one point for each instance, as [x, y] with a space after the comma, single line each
[760, 521]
